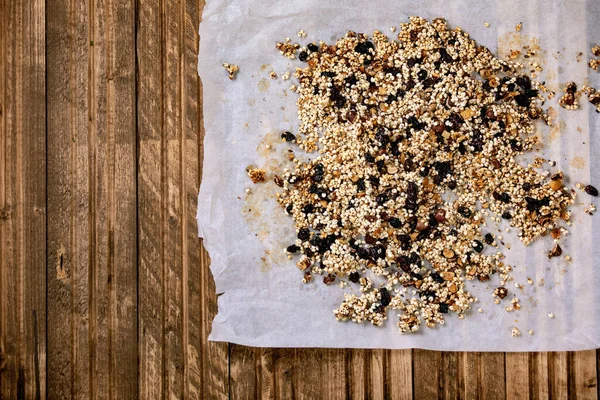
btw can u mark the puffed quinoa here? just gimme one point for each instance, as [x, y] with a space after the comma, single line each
[396, 126]
[515, 332]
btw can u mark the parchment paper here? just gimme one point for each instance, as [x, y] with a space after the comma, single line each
[262, 301]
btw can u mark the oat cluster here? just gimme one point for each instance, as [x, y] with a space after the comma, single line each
[415, 143]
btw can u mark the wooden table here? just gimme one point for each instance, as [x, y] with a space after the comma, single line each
[105, 289]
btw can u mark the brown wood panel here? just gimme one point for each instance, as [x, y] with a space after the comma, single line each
[426, 374]
[92, 256]
[22, 199]
[171, 269]
[400, 374]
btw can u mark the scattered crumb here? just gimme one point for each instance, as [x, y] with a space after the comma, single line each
[550, 315]
[231, 70]
[486, 24]
[519, 27]
[515, 332]
[594, 64]
[530, 332]
[285, 76]
[288, 49]
[248, 191]
[596, 51]
[273, 75]
[257, 175]
[479, 310]
[392, 28]
[579, 56]
[530, 281]
[301, 33]
[569, 100]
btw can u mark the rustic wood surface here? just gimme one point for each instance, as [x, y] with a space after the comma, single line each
[105, 290]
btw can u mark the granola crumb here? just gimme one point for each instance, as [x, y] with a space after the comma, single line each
[486, 24]
[530, 332]
[550, 315]
[273, 75]
[231, 69]
[248, 190]
[257, 175]
[515, 332]
[301, 33]
[569, 100]
[519, 27]
[596, 51]
[392, 29]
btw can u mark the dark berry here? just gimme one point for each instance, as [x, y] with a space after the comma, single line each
[328, 74]
[364, 47]
[304, 234]
[592, 191]
[443, 308]
[289, 208]
[422, 74]
[308, 209]
[354, 277]
[313, 47]
[522, 100]
[293, 249]
[288, 136]
[303, 56]
[506, 215]
[489, 238]
[477, 245]
[395, 222]
[369, 158]
[386, 299]
[464, 211]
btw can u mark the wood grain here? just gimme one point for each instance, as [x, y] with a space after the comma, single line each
[92, 257]
[105, 288]
[22, 200]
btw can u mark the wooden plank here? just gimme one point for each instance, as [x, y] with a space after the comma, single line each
[517, 375]
[307, 379]
[266, 372]
[243, 376]
[333, 373]
[426, 373]
[92, 258]
[558, 374]
[399, 374]
[538, 376]
[492, 376]
[284, 373]
[376, 376]
[214, 357]
[172, 329]
[469, 375]
[449, 374]
[582, 375]
[356, 367]
[22, 200]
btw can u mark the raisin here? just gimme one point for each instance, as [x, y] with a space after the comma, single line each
[302, 56]
[289, 208]
[288, 136]
[404, 263]
[328, 74]
[364, 47]
[592, 191]
[444, 308]
[391, 98]
[477, 245]
[422, 74]
[308, 209]
[489, 238]
[313, 47]
[293, 249]
[506, 215]
[354, 277]
[437, 277]
[360, 185]
[369, 158]
[522, 100]
[385, 299]
[465, 212]
[395, 222]
[304, 234]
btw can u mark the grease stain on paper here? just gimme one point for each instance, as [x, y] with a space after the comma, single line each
[578, 162]
[263, 85]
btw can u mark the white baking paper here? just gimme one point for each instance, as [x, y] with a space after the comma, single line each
[262, 301]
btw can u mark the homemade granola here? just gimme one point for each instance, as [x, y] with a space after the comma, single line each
[416, 140]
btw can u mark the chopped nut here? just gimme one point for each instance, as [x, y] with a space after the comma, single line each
[231, 69]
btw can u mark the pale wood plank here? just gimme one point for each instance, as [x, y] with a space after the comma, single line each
[558, 374]
[22, 200]
[584, 383]
[517, 375]
[399, 370]
[266, 372]
[426, 373]
[492, 375]
[469, 375]
[376, 376]
[356, 366]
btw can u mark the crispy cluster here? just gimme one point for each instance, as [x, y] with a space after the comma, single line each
[416, 140]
